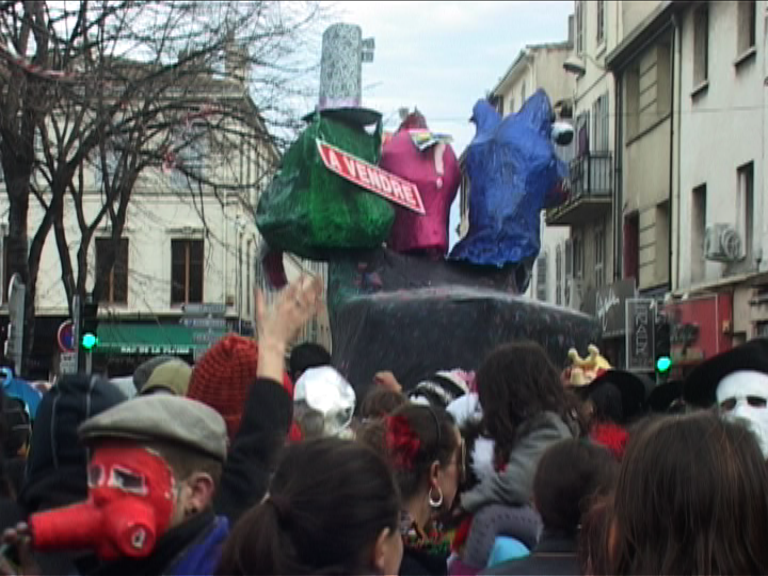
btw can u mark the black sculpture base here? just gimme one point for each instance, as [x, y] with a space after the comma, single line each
[414, 317]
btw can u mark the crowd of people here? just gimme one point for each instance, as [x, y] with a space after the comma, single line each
[510, 470]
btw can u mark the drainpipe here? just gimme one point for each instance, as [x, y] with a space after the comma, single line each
[225, 225]
[618, 181]
[679, 60]
[240, 236]
[671, 209]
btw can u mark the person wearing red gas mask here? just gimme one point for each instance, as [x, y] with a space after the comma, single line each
[154, 466]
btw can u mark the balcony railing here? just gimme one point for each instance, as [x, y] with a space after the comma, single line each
[591, 175]
[591, 188]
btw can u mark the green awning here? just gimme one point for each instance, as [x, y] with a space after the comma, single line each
[145, 339]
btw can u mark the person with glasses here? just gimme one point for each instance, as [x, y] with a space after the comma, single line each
[425, 451]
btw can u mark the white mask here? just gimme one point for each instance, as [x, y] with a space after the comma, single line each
[743, 396]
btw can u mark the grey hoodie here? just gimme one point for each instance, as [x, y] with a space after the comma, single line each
[514, 485]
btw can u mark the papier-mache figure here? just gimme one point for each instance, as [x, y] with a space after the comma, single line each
[419, 156]
[514, 174]
[308, 209]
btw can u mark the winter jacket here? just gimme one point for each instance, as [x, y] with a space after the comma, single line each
[493, 521]
[263, 431]
[554, 556]
[421, 563]
[57, 464]
[513, 486]
[56, 472]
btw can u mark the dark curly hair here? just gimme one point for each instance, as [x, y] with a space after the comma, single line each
[516, 383]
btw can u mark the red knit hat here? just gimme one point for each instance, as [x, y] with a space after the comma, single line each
[223, 376]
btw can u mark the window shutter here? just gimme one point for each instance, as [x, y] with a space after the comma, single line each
[541, 277]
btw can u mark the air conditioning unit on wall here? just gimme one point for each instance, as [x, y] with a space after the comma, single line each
[722, 243]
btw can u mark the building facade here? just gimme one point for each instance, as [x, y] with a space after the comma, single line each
[690, 79]
[720, 223]
[182, 245]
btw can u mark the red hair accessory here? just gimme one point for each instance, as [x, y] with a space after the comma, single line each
[402, 442]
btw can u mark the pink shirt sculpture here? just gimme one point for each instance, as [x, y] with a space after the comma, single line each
[435, 171]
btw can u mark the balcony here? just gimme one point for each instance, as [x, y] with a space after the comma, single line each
[591, 185]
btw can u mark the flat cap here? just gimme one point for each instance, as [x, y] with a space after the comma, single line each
[172, 376]
[162, 418]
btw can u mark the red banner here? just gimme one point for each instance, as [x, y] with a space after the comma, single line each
[371, 177]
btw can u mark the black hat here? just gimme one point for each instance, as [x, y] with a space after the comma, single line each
[631, 386]
[57, 460]
[664, 395]
[700, 388]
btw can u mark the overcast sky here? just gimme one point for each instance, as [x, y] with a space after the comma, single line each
[444, 56]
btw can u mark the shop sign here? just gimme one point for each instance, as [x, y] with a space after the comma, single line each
[641, 329]
[608, 305]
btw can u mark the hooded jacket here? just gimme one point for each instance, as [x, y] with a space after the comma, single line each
[513, 486]
[56, 473]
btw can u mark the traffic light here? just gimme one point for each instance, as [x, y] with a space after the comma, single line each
[663, 347]
[88, 325]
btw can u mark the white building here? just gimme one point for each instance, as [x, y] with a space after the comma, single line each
[721, 217]
[181, 245]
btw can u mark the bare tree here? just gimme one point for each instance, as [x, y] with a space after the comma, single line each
[128, 89]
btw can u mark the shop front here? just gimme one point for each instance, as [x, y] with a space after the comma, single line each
[700, 327]
[608, 305]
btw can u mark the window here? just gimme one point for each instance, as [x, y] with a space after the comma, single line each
[249, 264]
[580, 27]
[541, 277]
[599, 257]
[187, 271]
[747, 18]
[193, 150]
[698, 232]
[582, 134]
[559, 276]
[112, 160]
[6, 269]
[600, 138]
[745, 207]
[600, 5]
[115, 290]
[632, 246]
[522, 94]
[578, 257]
[700, 46]
[512, 104]
[568, 272]
[662, 242]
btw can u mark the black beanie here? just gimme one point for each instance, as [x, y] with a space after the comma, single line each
[55, 446]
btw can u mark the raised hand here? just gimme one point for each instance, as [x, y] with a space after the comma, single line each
[279, 324]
